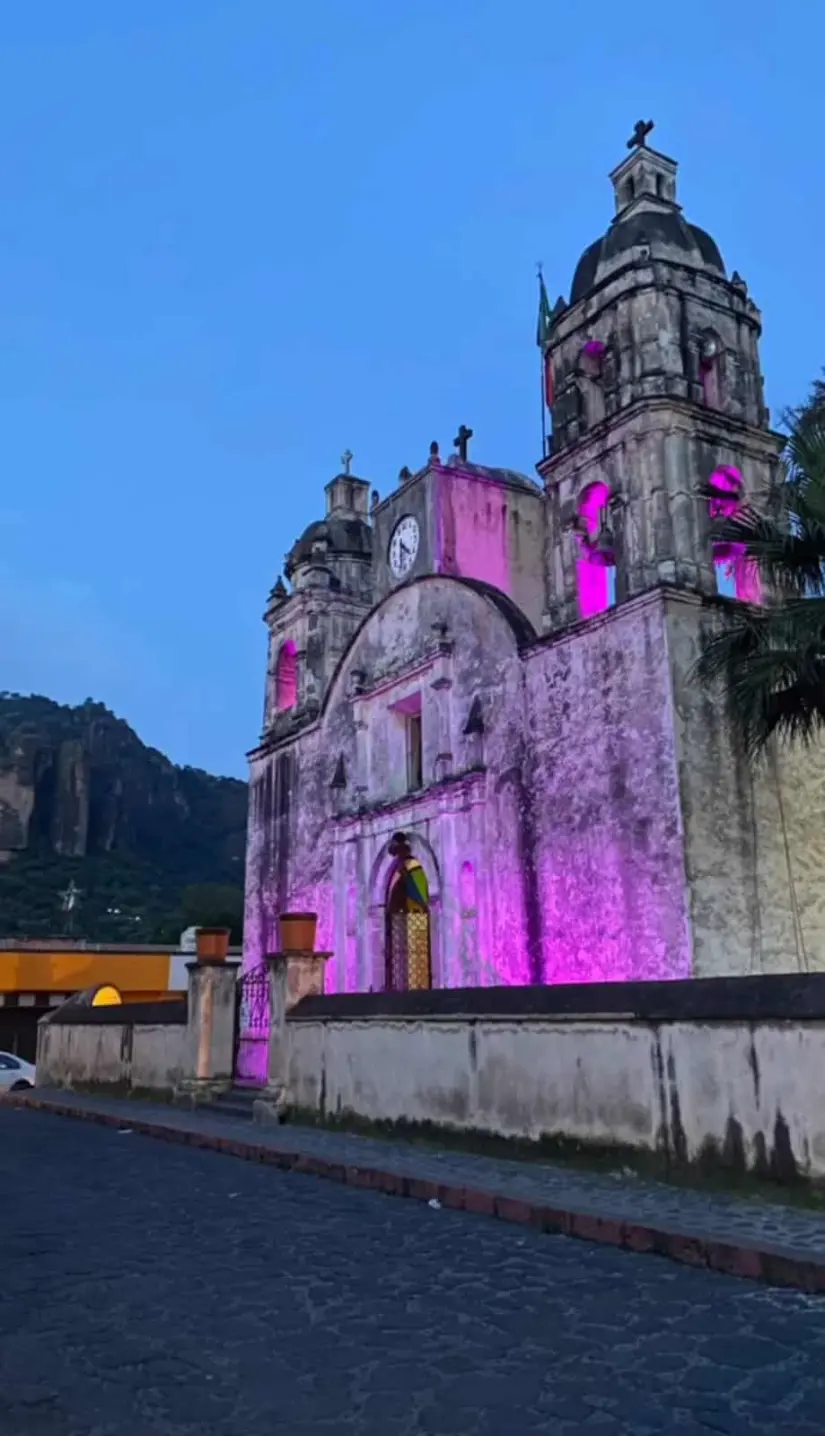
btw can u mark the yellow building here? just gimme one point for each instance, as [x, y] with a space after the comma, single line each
[36, 976]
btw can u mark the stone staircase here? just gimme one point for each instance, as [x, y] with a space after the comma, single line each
[236, 1103]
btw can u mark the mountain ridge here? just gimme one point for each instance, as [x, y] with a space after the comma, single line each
[83, 800]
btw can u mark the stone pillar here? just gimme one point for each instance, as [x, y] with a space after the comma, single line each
[292, 975]
[210, 1028]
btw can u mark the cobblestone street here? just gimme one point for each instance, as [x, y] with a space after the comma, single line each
[149, 1288]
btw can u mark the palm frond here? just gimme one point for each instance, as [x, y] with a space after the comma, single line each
[771, 664]
[770, 661]
[804, 454]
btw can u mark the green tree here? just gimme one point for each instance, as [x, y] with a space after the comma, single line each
[205, 905]
[770, 659]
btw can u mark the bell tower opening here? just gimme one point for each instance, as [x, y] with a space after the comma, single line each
[408, 944]
[737, 576]
[286, 677]
[596, 563]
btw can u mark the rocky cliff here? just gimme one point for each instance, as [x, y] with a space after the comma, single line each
[82, 798]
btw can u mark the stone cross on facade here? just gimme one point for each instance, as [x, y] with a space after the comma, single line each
[638, 139]
[461, 441]
[346, 459]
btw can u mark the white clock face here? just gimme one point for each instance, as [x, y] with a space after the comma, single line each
[403, 546]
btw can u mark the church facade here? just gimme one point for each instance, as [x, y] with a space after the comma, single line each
[484, 758]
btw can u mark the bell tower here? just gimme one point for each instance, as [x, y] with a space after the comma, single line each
[311, 622]
[656, 387]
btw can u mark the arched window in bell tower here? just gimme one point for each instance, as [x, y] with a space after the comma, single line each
[736, 575]
[286, 677]
[592, 358]
[710, 369]
[596, 562]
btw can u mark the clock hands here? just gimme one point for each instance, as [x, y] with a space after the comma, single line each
[403, 547]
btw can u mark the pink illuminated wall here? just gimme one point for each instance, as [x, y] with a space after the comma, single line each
[737, 576]
[491, 531]
[472, 530]
[595, 568]
[286, 677]
[609, 862]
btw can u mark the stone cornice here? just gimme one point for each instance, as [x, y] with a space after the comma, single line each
[640, 276]
[679, 414]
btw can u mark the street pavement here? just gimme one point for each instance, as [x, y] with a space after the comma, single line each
[150, 1289]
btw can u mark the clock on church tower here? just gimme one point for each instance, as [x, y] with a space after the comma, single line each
[463, 520]
[404, 546]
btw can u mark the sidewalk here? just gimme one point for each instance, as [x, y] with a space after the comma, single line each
[783, 1246]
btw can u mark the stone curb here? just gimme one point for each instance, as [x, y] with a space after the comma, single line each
[772, 1265]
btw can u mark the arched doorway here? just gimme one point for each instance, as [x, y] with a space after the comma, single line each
[408, 945]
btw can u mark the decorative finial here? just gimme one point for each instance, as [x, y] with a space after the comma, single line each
[375, 499]
[461, 441]
[434, 450]
[638, 140]
[346, 459]
[279, 592]
[405, 473]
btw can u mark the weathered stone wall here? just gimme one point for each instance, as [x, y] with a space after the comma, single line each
[152, 1056]
[161, 1046]
[754, 837]
[608, 842]
[494, 532]
[747, 1092]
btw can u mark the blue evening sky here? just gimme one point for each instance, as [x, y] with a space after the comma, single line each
[239, 236]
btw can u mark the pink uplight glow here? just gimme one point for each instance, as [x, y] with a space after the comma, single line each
[736, 575]
[593, 351]
[596, 568]
[286, 677]
[474, 540]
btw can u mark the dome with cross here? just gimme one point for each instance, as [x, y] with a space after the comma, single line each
[648, 223]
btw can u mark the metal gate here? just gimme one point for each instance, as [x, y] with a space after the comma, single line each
[252, 1022]
[408, 950]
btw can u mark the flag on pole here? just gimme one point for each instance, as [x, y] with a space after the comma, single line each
[543, 327]
[543, 339]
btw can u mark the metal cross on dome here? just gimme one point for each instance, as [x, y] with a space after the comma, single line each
[346, 459]
[638, 139]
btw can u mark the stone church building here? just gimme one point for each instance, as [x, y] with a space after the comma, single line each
[484, 757]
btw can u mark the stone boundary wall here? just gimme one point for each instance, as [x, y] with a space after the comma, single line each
[179, 1048]
[781, 995]
[143, 1046]
[725, 1070]
[130, 1014]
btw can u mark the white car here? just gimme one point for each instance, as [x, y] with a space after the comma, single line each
[15, 1074]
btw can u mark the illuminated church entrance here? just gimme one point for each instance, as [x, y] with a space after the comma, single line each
[408, 927]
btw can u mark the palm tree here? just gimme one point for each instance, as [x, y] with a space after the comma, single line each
[770, 659]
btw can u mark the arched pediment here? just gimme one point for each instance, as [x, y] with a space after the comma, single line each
[405, 628]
